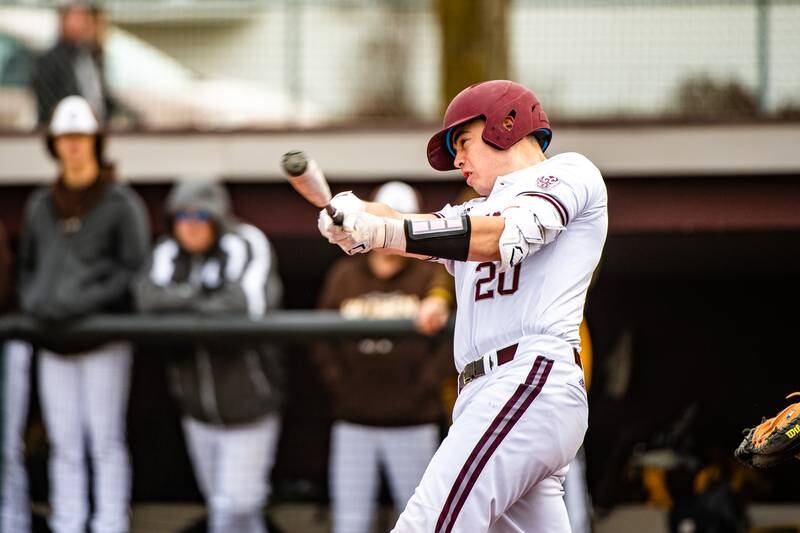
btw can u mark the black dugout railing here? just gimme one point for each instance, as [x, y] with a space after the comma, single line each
[284, 326]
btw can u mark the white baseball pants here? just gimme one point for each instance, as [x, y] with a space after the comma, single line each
[15, 511]
[502, 465]
[84, 402]
[232, 466]
[357, 451]
[576, 496]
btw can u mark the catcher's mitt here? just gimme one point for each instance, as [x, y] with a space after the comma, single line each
[774, 440]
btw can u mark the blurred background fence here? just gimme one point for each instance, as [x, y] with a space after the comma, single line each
[253, 64]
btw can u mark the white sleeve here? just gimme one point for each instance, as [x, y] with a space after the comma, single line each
[251, 272]
[163, 264]
[574, 188]
[449, 211]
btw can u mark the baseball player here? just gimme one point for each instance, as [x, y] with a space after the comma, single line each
[522, 255]
[84, 239]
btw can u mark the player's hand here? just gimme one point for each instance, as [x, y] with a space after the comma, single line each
[334, 233]
[349, 205]
[366, 232]
[433, 314]
[362, 233]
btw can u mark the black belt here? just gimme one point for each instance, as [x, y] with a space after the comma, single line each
[475, 369]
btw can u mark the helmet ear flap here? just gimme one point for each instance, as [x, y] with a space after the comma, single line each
[507, 124]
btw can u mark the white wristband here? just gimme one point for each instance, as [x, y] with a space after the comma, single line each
[395, 235]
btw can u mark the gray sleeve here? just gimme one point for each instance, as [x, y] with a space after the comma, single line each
[153, 288]
[135, 242]
[27, 259]
[132, 246]
[229, 298]
[5, 268]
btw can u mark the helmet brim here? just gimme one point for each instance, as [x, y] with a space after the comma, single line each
[440, 155]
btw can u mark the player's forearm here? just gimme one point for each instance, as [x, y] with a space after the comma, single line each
[484, 238]
[479, 242]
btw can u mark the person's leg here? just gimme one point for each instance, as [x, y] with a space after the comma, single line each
[540, 510]
[62, 409]
[353, 477]
[576, 496]
[106, 381]
[15, 508]
[202, 445]
[246, 456]
[521, 425]
[406, 453]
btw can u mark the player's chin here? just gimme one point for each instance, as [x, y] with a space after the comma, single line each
[479, 188]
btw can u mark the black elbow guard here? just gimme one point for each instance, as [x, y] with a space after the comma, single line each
[446, 238]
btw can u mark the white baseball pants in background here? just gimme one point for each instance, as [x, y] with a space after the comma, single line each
[84, 403]
[357, 451]
[15, 511]
[576, 496]
[232, 466]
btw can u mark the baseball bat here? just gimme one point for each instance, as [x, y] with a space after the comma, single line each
[307, 179]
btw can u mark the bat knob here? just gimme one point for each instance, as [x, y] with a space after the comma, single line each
[336, 215]
[294, 162]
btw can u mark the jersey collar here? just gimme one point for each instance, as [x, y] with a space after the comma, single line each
[507, 180]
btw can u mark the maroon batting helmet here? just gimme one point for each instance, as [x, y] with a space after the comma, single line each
[493, 101]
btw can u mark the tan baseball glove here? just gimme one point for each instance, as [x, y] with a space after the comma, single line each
[773, 441]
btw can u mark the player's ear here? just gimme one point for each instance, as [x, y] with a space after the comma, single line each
[508, 122]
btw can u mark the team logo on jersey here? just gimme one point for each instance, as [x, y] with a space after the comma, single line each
[545, 182]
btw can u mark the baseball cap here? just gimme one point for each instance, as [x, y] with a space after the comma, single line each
[73, 115]
[399, 196]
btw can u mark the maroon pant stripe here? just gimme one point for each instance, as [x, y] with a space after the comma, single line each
[489, 442]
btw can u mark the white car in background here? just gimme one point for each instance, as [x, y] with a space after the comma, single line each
[161, 92]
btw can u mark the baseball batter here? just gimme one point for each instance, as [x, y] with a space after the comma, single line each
[522, 255]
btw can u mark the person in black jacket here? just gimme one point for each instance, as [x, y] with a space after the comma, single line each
[84, 239]
[74, 66]
[230, 393]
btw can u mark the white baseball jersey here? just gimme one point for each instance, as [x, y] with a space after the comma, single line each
[542, 298]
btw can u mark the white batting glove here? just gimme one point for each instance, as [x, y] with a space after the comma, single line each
[333, 233]
[370, 231]
[349, 205]
[365, 232]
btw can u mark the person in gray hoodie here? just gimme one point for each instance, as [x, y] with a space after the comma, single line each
[84, 239]
[230, 394]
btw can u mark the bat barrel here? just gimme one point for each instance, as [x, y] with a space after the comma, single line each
[294, 162]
